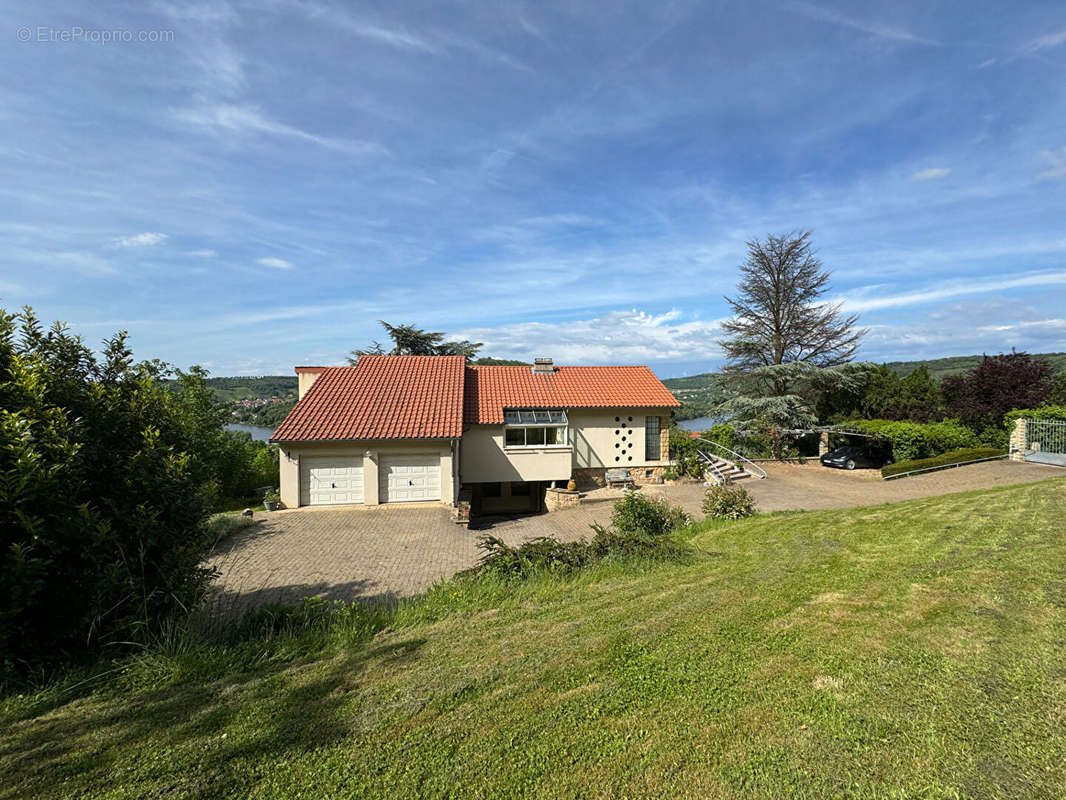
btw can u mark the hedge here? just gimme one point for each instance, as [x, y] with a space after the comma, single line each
[912, 440]
[943, 460]
[1045, 412]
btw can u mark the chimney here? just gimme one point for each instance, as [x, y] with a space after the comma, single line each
[543, 366]
[306, 376]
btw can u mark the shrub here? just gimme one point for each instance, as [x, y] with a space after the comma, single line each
[545, 553]
[944, 460]
[728, 501]
[637, 513]
[103, 501]
[911, 440]
[640, 528]
[1044, 412]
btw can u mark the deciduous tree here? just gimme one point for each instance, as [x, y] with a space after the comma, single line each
[999, 384]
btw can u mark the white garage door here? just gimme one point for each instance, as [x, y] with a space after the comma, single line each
[406, 479]
[331, 481]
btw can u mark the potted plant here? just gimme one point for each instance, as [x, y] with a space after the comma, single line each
[271, 500]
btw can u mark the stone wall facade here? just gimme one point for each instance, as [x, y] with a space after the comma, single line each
[643, 476]
[596, 477]
[590, 477]
[1018, 440]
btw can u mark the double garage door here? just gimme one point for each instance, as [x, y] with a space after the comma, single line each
[339, 480]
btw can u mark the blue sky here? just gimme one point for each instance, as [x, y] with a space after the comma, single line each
[255, 184]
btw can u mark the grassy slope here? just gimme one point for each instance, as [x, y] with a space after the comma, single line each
[909, 650]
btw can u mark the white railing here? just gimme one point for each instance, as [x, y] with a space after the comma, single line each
[755, 469]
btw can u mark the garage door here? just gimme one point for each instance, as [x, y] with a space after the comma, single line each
[331, 481]
[407, 479]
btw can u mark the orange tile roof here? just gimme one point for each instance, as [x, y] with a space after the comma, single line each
[382, 397]
[489, 390]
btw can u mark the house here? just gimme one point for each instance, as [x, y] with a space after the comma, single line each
[395, 429]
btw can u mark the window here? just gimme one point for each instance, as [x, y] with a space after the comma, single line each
[491, 490]
[521, 489]
[534, 427]
[652, 443]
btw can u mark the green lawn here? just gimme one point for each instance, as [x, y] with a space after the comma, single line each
[901, 651]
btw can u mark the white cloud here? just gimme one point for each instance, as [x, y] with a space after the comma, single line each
[618, 337]
[952, 289]
[148, 239]
[226, 118]
[203, 253]
[1047, 41]
[276, 263]
[1051, 324]
[930, 174]
[1056, 160]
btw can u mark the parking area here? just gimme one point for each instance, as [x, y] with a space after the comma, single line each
[382, 552]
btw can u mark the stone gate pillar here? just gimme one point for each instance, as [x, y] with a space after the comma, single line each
[1018, 439]
[823, 443]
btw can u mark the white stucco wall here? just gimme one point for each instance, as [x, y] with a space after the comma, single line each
[289, 464]
[592, 438]
[484, 459]
[595, 432]
[303, 383]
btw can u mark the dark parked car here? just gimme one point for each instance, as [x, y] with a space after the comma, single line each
[850, 457]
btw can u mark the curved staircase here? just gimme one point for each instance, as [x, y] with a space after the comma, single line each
[718, 470]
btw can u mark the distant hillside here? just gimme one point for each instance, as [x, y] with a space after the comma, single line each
[940, 368]
[252, 388]
[699, 394]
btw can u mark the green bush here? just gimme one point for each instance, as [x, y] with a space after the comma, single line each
[912, 440]
[1044, 412]
[640, 528]
[639, 514]
[728, 501]
[943, 460]
[106, 480]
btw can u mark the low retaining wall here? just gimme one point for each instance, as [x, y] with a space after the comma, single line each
[555, 499]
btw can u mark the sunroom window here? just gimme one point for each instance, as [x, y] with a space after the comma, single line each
[534, 427]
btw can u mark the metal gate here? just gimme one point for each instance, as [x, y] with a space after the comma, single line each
[1045, 441]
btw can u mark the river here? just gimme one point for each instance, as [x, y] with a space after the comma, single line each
[258, 433]
[698, 424]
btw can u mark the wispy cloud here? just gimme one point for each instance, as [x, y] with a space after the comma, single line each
[873, 28]
[148, 239]
[618, 337]
[952, 289]
[1056, 160]
[930, 174]
[203, 253]
[397, 37]
[1047, 41]
[275, 263]
[227, 118]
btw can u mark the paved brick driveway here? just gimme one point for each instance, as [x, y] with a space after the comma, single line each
[390, 551]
